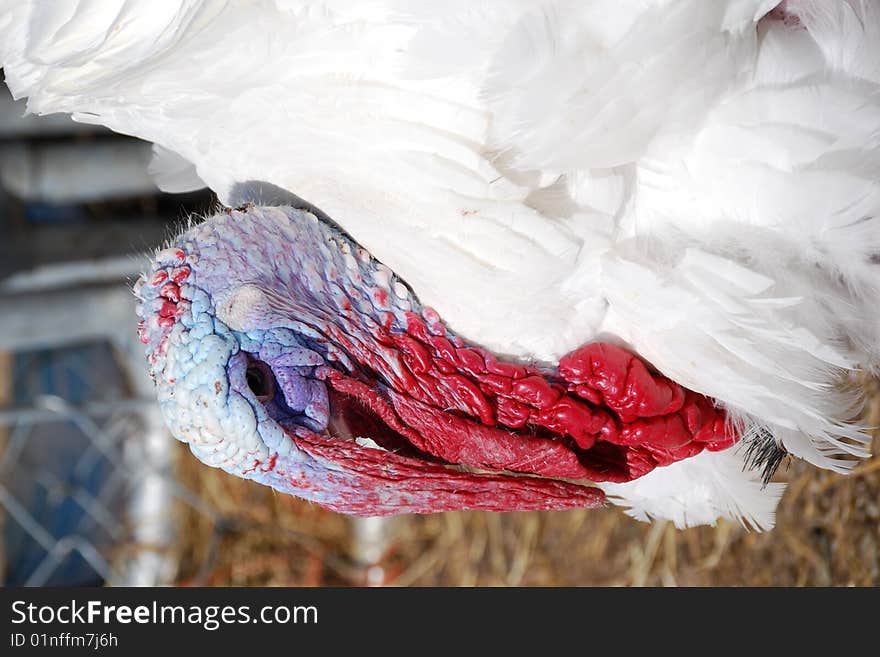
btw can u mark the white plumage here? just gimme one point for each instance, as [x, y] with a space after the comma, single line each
[694, 179]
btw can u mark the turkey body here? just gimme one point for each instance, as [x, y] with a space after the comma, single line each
[695, 182]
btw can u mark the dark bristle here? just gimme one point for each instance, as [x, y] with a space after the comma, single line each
[763, 453]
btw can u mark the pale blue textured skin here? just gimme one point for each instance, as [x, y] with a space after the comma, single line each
[201, 381]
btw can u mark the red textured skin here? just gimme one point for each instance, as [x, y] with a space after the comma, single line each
[389, 484]
[602, 415]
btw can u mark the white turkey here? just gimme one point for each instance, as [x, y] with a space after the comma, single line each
[503, 254]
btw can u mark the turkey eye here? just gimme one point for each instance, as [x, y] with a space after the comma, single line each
[259, 380]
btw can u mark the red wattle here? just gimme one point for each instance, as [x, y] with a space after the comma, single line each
[601, 415]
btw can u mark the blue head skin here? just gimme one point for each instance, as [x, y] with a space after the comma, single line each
[245, 316]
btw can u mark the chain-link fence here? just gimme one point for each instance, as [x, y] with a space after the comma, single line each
[63, 480]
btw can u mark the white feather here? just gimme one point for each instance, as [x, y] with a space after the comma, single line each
[718, 488]
[172, 173]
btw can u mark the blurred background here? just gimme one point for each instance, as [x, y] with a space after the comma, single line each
[93, 491]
